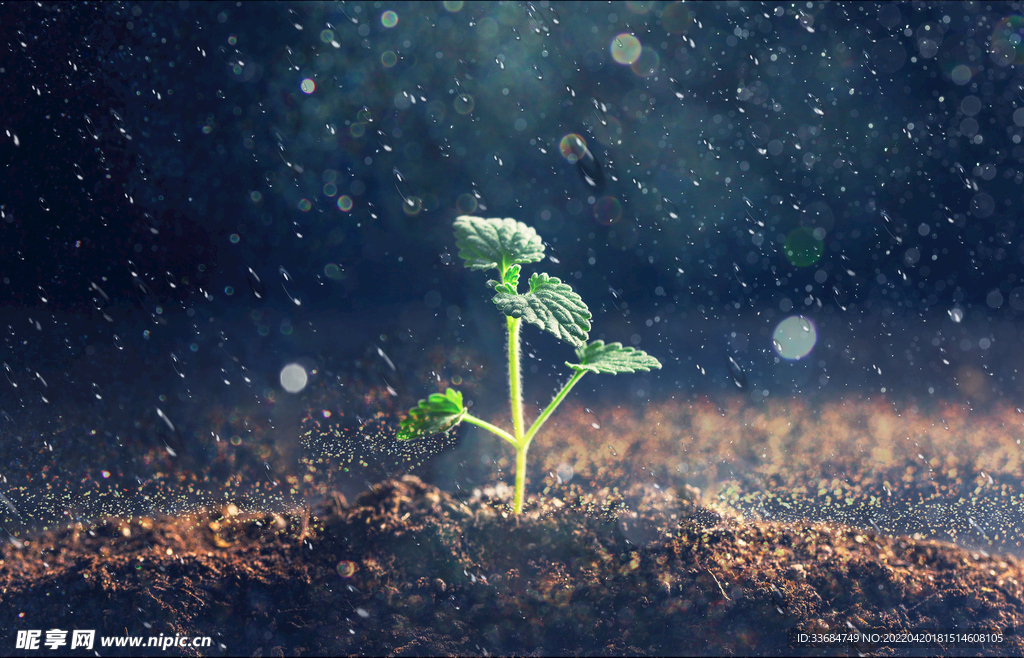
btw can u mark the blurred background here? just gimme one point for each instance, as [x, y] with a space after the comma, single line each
[220, 219]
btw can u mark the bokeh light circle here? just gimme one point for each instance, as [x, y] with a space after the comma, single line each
[463, 103]
[1007, 44]
[307, 86]
[625, 48]
[389, 19]
[573, 147]
[607, 210]
[647, 63]
[794, 337]
[293, 378]
[466, 204]
[344, 203]
[804, 247]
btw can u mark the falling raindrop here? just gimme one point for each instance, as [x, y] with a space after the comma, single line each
[538, 23]
[677, 88]
[288, 279]
[481, 202]
[736, 372]
[175, 362]
[600, 111]
[737, 272]
[590, 171]
[815, 105]
[10, 375]
[384, 356]
[670, 208]
[259, 289]
[839, 296]
[968, 182]
[537, 72]
[890, 227]
[384, 141]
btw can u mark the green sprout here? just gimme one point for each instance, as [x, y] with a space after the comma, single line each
[505, 245]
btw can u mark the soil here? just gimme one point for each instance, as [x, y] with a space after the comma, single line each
[619, 557]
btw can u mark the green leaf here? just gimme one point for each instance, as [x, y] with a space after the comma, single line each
[496, 243]
[512, 277]
[550, 305]
[612, 358]
[436, 414]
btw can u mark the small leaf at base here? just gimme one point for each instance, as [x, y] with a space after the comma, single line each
[436, 414]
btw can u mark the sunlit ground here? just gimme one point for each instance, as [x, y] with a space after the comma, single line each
[935, 465]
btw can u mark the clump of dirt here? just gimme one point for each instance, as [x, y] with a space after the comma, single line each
[407, 568]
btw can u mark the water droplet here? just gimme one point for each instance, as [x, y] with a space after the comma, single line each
[79, 174]
[481, 202]
[694, 178]
[753, 216]
[537, 73]
[538, 23]
[737, 272]
[384, 141]
[175, 362]
[839, 296]
[515, 33]
[600, 111]
[288, 278]
[500, 63]
[956, 314]
[815, 105]
[118, 343]
[590, 171]
[259, 289]
[542, 145]
[968, 182]
[42, 295]
[10, 375]
[890, 227]
[678, 90]
[670, 208]
[739, 377]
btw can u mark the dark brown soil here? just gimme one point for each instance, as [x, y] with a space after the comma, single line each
[407, 569]
[626, 556]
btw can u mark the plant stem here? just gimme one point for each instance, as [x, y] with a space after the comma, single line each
[517, 501]
[469, 418]
[514, 378]
[551, 407]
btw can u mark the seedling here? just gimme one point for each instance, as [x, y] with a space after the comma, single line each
[505, 245]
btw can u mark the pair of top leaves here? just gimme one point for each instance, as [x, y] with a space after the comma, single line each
[505, 245]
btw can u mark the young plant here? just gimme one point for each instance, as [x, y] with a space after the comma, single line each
[505, 245]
